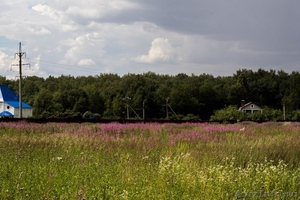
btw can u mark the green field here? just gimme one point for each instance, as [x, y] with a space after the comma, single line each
[150, 161]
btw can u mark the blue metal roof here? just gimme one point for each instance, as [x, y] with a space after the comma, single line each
[6, 114]
[16, 104]
[10, 97]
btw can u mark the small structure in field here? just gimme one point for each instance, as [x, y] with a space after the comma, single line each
[249, 107]
[10, 105]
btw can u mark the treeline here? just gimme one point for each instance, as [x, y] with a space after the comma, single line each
[154, 96]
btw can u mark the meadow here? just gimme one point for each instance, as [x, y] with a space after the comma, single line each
[150, 161]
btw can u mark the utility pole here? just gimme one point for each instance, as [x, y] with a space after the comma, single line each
[168, 105]
[167, 112]
[134, 112]
[20, 55]
[284, 111]
[144, 110]
[127, 99]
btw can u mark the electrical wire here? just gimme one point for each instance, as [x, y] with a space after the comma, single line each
[78, 68]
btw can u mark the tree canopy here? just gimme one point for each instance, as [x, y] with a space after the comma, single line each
[181, 96]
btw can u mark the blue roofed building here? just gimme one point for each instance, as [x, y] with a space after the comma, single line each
[9, 104]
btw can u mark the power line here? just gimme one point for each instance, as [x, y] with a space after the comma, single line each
[178, 66]
[128, 61]
[64, 66]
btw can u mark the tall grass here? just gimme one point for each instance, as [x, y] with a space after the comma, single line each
[149, 161]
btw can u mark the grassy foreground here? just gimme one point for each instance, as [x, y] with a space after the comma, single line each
[149, 161]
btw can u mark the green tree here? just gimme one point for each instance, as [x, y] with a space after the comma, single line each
[42, 103]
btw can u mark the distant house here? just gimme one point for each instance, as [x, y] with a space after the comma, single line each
[9, 104]
[249, 107]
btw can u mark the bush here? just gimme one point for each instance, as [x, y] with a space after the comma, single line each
[231, 113]
[296, 115]
[191, 117]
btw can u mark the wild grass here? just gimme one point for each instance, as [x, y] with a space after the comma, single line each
[149, 161]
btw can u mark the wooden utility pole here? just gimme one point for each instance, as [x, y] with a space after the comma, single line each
[144, 109]
[283, 111]
[20, 55]
[127, 99]
[167, 111]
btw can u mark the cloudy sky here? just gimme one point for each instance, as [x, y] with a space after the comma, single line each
[81, 38]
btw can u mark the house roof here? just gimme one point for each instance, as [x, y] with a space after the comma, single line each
[11, 98]
[247, 104]
[6, 114]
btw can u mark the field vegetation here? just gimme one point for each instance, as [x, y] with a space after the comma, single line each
[149, 161]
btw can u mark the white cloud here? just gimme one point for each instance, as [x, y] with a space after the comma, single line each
[91, 9]
[42, 31]
[57, 18]
[37, 64]
[121, 36]
[86, 62]
[48, 11]
[160, 51]
[4, 61]
[87, 45]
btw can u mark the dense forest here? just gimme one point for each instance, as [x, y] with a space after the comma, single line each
[187, 97]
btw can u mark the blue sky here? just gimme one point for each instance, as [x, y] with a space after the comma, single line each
[166, 37]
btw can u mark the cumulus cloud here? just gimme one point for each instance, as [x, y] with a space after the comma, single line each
[87, 45]
[4, 60]
[121, 36]
[59, 17]
[160, 51]
[86, 62]
[48, 11]
[41, 31]
[37, 63]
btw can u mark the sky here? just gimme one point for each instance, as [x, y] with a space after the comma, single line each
[92, 37]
